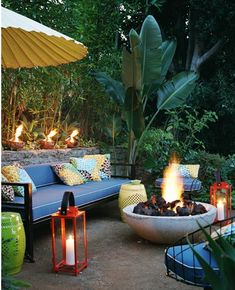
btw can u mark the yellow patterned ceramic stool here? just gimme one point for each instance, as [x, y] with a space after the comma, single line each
[131, 193]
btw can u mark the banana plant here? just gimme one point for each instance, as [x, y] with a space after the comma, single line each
[144, 69]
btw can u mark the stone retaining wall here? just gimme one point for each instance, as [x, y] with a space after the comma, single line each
[27, 157]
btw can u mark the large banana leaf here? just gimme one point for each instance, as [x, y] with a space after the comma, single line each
[131, 70]
[168, 51]
[151, 51]
[174, 92]
[133, 112]
[113, 88]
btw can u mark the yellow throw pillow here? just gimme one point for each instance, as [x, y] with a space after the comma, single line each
[16, 173]
[193, 169]
[68, 174]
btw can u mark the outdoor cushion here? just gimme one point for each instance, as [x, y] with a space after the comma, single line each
[87, 167]
[7, 190]
[103, 164]
[190, 184]
[42, 174]
[68, 174]
[181, 261]
[16, 173]
[47, 199]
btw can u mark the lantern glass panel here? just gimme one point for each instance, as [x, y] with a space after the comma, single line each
[69, 240]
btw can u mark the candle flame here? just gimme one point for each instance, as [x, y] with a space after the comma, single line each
[18, 132]
[221, 201]
[172, 187]
[51, 134]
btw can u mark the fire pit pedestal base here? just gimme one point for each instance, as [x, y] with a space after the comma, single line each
[165, 229]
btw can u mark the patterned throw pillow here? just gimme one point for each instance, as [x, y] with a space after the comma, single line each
[182, 169]
[193, 170]
[7, 191]
[68, 174]
[87, 167]
[103, 164]
[15, 173]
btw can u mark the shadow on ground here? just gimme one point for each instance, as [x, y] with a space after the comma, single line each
[118, 259]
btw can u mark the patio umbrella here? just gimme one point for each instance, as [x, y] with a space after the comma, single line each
[27, 43]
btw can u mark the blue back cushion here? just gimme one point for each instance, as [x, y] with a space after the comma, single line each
[42, 174]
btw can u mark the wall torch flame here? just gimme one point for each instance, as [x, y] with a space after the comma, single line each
[18, 132]
[172, 187]
[73, 134]
[50, 135]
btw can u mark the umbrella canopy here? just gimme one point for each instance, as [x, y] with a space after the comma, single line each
[27, 43]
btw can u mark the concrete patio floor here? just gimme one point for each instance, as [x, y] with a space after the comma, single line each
[118, 258]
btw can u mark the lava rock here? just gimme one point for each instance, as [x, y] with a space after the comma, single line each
[198, 209]
[138, 209]
[182, 211]
[168, 212]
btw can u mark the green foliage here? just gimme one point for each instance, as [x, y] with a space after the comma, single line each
[224, 254]
[228, 170]
[156, 149]
[143, 74]
[185, 124]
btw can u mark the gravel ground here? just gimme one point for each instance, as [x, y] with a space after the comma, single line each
[118, 259]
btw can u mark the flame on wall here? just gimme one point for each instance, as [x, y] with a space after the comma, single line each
[73, 134]
[172, 186]
[50, 135]
[18, 132]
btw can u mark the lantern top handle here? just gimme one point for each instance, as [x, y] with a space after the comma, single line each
[217, 176]
[68, 198]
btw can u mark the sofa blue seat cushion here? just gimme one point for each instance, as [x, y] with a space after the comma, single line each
[182, 262]
[47, 199]
[190, 184]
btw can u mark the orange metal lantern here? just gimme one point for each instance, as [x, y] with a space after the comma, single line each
[69, 240]
[221, 197]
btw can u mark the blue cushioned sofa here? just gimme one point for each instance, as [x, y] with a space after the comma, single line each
[38, 206]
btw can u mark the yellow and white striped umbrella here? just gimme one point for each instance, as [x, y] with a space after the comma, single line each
[27, 43]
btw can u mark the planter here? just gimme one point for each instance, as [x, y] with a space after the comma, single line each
[166, 229]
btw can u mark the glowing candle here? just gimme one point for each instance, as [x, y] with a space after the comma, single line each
[70, 255]
[220, 210]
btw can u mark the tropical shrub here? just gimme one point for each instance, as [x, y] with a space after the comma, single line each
[144, 68]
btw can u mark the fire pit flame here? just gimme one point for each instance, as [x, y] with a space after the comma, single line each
[172, 187]
[171, 203]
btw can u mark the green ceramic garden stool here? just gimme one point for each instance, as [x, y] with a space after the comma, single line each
[13, 242]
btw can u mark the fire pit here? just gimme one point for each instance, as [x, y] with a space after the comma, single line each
[167, 229]
[164, 219]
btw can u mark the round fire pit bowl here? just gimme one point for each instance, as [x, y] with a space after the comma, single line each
[167, 229]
